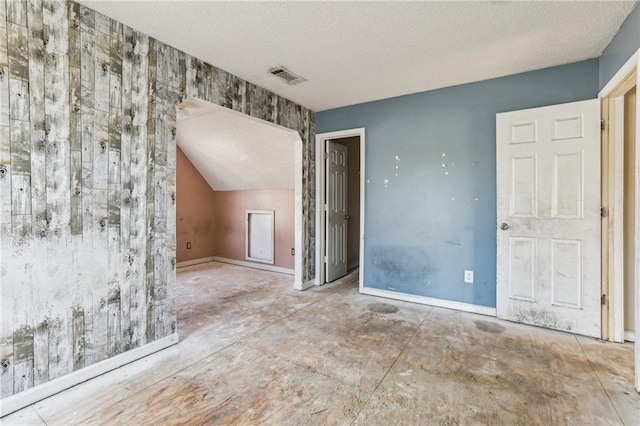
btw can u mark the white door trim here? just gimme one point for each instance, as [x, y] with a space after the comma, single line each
[321, 139]
[629, 336]
[607, 91]
[613, 224]
[620, 75]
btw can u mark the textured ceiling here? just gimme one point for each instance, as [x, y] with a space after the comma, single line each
[233, 151]
[353, 52]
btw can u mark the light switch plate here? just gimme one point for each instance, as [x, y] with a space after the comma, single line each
[468, 276]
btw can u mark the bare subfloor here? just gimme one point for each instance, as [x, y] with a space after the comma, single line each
[254, 351]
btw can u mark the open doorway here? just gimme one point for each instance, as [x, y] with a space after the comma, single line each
[620, 196]
[238, 208]
[619, 201]
[340, 204]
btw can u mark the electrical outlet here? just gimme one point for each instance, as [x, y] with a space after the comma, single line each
[188, 245]
[293, 252]
[468, 276]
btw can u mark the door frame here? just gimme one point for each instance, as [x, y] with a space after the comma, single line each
[321, 139]
[612, 96]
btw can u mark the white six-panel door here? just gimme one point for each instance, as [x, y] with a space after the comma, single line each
[548, 212]
[336, 211]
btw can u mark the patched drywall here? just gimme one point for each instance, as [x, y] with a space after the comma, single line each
[87, 184]
[230, 222]
[195, 212]
[430, 178]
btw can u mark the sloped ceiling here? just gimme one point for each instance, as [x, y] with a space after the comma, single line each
[353, 52]
[233, 151]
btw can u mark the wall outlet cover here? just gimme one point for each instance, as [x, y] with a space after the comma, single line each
[468, 276]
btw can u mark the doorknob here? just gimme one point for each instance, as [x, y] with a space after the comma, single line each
[504, 226]
[346, 216]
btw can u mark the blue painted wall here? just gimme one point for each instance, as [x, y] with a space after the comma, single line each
[431, 178]
[623, 45]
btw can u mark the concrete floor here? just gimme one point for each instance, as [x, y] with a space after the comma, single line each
[254, 351]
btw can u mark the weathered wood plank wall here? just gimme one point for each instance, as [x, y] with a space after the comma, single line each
[87, 184]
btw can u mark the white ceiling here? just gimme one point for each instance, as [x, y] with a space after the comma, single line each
[233, 151]
[353, 52]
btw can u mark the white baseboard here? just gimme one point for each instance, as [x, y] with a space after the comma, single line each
[194, 262]
[52, 387]
[441, 303]
[629, 336]
[262, 266]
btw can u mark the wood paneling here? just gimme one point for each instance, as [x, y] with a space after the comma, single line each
[87, 183]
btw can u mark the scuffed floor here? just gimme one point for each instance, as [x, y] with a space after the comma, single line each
[254, 351]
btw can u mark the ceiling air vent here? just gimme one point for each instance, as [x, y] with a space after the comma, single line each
[286, 75]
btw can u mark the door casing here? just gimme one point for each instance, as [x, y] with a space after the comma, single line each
[321, 139]
[612, 96]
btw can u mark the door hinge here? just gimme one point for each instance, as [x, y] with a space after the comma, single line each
[326, 207]
[324, 155]
[603, 299]
[326, 259]
[604, 212]
[603, 125]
